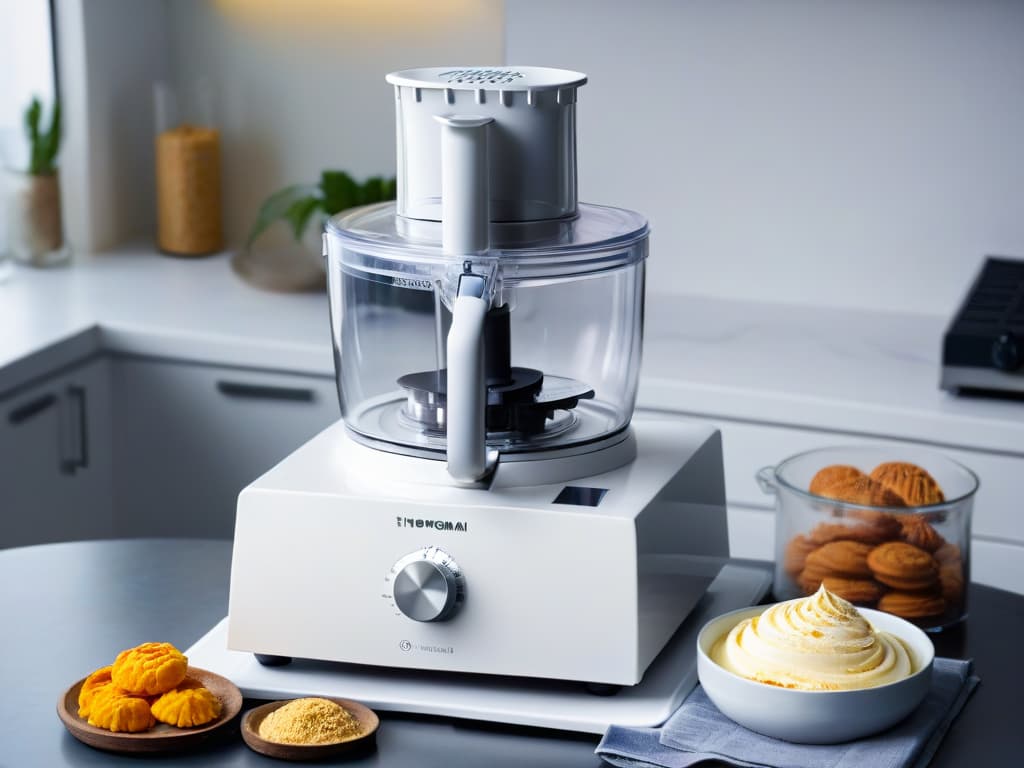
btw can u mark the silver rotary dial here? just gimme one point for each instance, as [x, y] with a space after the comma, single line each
[428, 585]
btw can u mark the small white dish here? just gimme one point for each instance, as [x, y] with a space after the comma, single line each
[815, 717]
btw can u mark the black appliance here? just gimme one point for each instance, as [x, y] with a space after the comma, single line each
[983, 348]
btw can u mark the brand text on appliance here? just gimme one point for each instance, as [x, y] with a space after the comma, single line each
[437, 525]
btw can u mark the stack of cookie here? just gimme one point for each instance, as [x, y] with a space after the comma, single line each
[895, 561]
[146, 684]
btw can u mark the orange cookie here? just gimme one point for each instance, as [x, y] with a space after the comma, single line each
[860, 591]
[912, 605]
[887, 523]
[796, 554]
[117, 711]
[832, 474]
[149, 669]
[93, 684]
[903, 566]
[951, 578]
[862, 490]
[916, 531]
[808, 582]
[867, 533]
[839, 558]
[948, 553]
[188, 705]
[910, 482]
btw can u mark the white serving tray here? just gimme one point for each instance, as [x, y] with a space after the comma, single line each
[519, 701]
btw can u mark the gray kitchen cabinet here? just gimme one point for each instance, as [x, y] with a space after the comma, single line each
[189, 437]
[55, 458]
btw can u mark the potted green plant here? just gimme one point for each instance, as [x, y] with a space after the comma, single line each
[278, 268]
[34, 229]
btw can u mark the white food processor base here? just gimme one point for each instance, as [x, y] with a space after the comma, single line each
[519, 701]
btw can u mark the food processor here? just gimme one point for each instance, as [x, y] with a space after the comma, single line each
[488, 504]
[487, 317]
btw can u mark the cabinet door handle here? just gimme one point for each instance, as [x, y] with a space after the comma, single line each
[26, 411]
[76, 394]
[74, 437]
[265, 392]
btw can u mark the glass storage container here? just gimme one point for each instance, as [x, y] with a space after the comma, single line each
[926, 584]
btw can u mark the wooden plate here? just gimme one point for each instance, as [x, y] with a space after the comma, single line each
[365, 738]
[161, 737]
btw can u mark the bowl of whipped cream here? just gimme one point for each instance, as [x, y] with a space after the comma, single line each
[814, 670]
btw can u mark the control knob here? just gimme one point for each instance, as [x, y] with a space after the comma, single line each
[1006, 352]
[428, 585]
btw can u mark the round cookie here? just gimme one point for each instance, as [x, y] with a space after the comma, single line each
[188, 705]
[860, 591]
[916, 531]
[808, 582]
[948, 553]
[887, 524]
[951, 579]
[117, 711]
[912, 605]
[149, 669]
[840, 558]
[910, 482]
[830, 475]
[862, 490]
[903, 566]
[866, 533]
[796, 554]
[92, 685]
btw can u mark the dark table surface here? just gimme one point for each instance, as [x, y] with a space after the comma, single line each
[66, 609]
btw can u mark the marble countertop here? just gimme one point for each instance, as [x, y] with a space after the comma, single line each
[814, 367]
[137, 302]
[839, 370]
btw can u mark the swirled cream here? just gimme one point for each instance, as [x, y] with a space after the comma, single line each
[816, 643]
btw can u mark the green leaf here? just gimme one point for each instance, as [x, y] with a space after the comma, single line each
[43, 145]
[50, 143]
[277, 206]
[340, 191]
[298, 214]
[336, 192]
[373, 188]
[32, 116]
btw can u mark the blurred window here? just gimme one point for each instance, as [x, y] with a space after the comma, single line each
[26, 70]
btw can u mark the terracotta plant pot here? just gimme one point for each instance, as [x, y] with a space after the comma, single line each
[34, 231]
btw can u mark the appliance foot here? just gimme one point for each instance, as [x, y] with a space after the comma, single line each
[603, 689]
[269, 660]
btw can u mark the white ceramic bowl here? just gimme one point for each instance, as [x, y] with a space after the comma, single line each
[815, 717]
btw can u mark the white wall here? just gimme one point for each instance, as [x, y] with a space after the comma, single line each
[109, 53]
[301, 82]
[300, 86]
[853, 153]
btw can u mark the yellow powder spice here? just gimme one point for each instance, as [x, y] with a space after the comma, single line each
[188, 191]
[309, 721]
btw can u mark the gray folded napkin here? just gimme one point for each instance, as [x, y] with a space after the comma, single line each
[698, 732]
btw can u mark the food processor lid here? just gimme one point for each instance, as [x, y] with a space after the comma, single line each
[597, 239]
[488, 78]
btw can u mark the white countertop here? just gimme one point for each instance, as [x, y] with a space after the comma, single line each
[138, 302]
[866, 373]
[821, 368]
